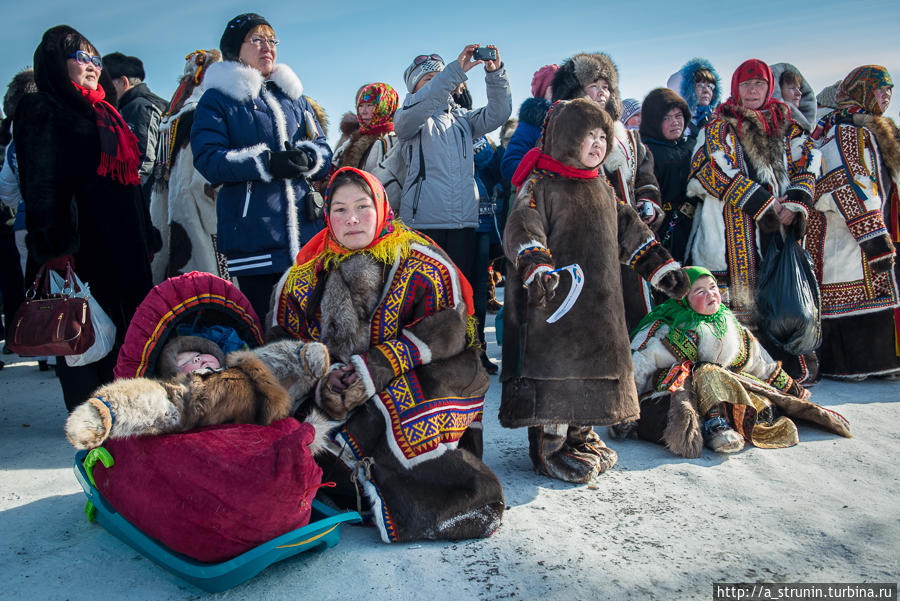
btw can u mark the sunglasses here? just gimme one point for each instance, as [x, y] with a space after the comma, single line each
[424, 57]
[84, 58]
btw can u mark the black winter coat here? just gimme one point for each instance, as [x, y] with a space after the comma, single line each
[71, 209]
[142, 110]
[672, 166]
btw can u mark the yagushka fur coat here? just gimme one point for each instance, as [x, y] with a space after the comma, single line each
[415, 446]
[577, 370]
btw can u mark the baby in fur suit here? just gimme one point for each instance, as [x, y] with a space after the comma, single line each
[256, 387]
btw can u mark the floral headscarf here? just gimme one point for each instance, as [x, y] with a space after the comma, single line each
[857, 90]
[385, 100]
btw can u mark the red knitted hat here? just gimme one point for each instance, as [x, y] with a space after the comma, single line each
[542, 78]
[752, 69]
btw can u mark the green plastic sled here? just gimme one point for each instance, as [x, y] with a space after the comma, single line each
[322, 532]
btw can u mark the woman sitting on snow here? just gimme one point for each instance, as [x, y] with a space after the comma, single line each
[407, 385]
[704, 378]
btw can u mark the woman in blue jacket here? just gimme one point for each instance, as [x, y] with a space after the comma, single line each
[255, 133]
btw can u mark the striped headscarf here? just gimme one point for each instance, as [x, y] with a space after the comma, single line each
[385, 101]
[857, 90]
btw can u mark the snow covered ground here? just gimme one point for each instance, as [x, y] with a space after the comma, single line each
[655, 527]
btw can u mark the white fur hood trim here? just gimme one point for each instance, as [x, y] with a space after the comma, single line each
[241, 82]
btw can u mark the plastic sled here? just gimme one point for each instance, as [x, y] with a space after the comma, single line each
[322, 532]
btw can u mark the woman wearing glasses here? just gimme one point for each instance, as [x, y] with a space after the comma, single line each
[78, 171]
[698, 83]
[754, 169]
[256, 134]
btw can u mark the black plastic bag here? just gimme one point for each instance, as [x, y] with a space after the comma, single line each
[788, 307]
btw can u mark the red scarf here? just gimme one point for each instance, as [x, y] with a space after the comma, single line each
[536, 159]
[119, 155]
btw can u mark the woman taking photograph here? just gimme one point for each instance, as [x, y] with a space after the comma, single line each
[406, 384]
[255, 133]
[78, 171]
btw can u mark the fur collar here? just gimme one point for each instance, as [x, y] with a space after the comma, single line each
[241, 82]
[888, 138]
[764, 152]
[352, 292]
[356, 147]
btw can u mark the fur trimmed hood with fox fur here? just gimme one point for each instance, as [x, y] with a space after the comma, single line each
[582, 70]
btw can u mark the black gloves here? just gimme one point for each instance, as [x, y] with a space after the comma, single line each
[289, 163]
[542, 288]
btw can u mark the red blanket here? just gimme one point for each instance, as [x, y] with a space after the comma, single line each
[215, 492]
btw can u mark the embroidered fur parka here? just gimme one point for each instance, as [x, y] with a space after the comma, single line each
[738, 172]
[577, 370]
[415, 445]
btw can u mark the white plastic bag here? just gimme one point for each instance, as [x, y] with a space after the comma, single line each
[104, 328]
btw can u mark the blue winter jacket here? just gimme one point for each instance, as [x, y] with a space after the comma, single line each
[526, 136]
[239, 120]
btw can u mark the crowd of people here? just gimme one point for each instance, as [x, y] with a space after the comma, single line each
[388, 247]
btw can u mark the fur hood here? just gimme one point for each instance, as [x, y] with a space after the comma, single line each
[568, 125]
[805, 116]
[241, 82]
[22, 83]
[167, 365]
[683, 82]
[533, 111]
[50, 71]
[657, 103]
[583, 69]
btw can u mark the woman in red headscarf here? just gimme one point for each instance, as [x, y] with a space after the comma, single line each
[755, 171]
[855, 230]
[406, 385]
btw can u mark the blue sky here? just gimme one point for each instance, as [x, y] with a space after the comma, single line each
[337, 46]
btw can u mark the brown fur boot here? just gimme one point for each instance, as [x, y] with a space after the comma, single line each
[584, 440]
[552, 457]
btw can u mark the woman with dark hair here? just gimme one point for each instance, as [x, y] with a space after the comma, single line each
[855, 230]
[256, 134]
[406, 384]
[78, 170]
[754, 169]
[664, 120]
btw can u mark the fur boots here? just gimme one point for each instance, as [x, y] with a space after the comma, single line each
[569, 453]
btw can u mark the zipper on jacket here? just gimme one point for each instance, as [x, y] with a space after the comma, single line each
[462, 142]
[247, 199]
[420, 177]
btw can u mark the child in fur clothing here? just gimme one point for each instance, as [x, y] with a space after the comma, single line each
[705, 379]
[561, 379]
